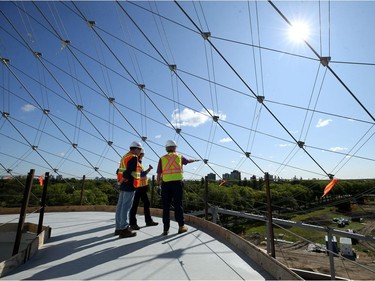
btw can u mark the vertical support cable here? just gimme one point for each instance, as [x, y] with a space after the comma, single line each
[206, 198]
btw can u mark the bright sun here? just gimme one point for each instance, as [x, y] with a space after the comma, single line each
[299, 31]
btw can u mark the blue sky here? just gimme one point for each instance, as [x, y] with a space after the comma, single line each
[249, 53]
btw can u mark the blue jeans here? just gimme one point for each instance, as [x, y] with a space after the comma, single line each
[124, 203]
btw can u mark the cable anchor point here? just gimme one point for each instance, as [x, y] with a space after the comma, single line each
[300, 144]
[172, 67]
[205, 161]
[111, 100]
[215, 118]
[248, 154]
[141, 86]
[143, 139]
[178, 130]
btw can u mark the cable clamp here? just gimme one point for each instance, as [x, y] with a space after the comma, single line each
[205, 161]
[143, 138]
[260, 99]
[205, 35]
[300, 144]
[46, 111]
[91, 23]
[79, 107]
[6, 114]
[74, 145]
[247, 154]
[216, 118]
[172, 67]
[178, 130]
[5, 61]
[111, 100]
[110, 143]
[141, 86]
[325, 61]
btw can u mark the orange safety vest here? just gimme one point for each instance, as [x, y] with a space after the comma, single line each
[144, 180]
[171, 167]
[135, 174]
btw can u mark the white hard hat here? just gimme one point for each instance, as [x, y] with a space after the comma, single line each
[170, 143]
[142, 151]
[135, 144]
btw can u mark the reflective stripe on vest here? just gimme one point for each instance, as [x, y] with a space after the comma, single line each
[144, 180]
[135, 174]
[171, 164]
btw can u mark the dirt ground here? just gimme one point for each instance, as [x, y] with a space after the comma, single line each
[296, 256]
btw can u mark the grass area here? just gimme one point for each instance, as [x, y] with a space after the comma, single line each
[322, 217]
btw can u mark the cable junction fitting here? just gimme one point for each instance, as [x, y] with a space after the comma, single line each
[6, 114]
[91, 23]
[5, 61]
[205, 161]
[215, 118]
[65, 42]
[178, 130]
[300, 144]
[172, 67]
[110, 143]
[141, 86]
[325, 61]
[34, 147]
[143, 138]
[46, 111]
[260, 99]
[74, 145]
[37, 54]
[79, 107]
[248, 154]
[205, 35]
[111, 100]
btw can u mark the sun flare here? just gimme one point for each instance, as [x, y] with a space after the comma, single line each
[299, 31]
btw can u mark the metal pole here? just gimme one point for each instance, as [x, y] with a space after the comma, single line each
[82, 188]
[206, 198]
[152, 190]
[43, 203]
[270, 236]
[330, 251]
[25, 202]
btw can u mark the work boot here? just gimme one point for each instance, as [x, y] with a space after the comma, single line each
[165, 233]
[151, 223]
[135, 227]
[182, 229]
[117, 232]
[125, 233]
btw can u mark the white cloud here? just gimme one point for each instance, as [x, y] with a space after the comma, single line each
[284, 144]
[190, 118]
[228, 139]
[323, 123]
[28, 108]
[157, 136]
[338, 148]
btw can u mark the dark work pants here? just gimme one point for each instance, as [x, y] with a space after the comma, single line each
[140, 194]
[172, 190]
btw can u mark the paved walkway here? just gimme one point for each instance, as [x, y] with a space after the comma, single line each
[82, 246]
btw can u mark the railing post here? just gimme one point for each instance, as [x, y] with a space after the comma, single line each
[43, 203]
[270, 236]
[25, 202]
[152, 191]
[206, 198]
[82, 189]
[330, 251]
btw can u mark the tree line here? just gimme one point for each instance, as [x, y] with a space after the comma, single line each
[249, 196]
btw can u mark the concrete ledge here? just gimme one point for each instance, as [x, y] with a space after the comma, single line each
[31, 248]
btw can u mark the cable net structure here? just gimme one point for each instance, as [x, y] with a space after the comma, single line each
[81, 80]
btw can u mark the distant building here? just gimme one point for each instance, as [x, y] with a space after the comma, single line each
[234, 175]
[211, 176]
